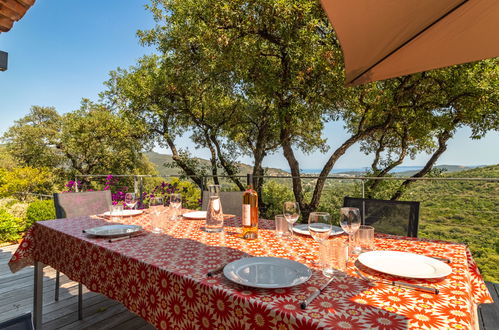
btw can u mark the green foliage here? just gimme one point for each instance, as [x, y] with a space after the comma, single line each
[39, 211]
[248, 77]
[15, 207]
[33, 140]
[16, 217]
[10, 227]
[7, 161]
[463, 211]
[23, 181]
[190, 193]
[97, 141]
[274, 195]
[90, 140]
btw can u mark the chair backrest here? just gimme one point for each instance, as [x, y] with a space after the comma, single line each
[388, 217]
[232, 201]
[78, 204]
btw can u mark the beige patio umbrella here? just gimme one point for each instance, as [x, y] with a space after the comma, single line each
[383, 39]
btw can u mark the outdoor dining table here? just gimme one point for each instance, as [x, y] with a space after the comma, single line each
[162, 278]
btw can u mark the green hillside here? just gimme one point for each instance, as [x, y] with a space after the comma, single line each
[445, 168]
[463, 211]
[159, 161]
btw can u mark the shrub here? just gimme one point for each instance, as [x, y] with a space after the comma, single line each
[10, 227]
[23, 181]
[190, 192]
[40, 210]
[18, 210]
[14, 207]
[154, 187]
[274, 195]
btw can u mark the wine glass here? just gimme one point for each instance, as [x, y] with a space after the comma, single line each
[176, 204]
[291, 211]
[320, 227]
[350, 222]
[155, 208]
[130, 200]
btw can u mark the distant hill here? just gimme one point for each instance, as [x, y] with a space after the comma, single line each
[159, 161]
[401, 171]
[446, 168]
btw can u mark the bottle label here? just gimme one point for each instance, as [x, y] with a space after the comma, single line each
[246, 215]
[215, 204]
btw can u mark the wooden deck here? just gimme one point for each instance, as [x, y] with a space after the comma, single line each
[488, 314]
[99, 312]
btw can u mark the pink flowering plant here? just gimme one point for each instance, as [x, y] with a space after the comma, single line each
[190, 193]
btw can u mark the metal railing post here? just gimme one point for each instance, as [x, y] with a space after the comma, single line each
[141, 191]
[135, 185]
[363, 188]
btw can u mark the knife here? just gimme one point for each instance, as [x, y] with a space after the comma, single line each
[399, 284]
[111, 240]
[447, 261]
[216, 270]
[315, 294]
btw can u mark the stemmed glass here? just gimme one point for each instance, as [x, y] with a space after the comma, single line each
[350, 223]
[320, 227]
[156, 207]
[130, 200]
[176, 204]
[291, 211]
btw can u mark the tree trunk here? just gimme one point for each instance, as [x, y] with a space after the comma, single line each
[227, 166]
[442, 146]
[295, 173]
[258, 180]
[213, 159]
[183, 165]
[319, 186]
[403, 153]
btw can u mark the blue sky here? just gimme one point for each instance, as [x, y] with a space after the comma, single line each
[62, 51]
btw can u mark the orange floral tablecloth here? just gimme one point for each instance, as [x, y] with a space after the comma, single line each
[163, 279]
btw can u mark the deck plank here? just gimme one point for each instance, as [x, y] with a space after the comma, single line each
[99, 312]
[488, 314]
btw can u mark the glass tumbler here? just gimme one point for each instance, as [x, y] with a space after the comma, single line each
[115, 212]
[155, 209]
[333, 256]
[281, 226]
[214, 214]
[364, 238]
[176, 205]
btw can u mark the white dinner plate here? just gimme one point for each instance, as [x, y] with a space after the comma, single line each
[196, 215]
[405, 264]
[303, 229]
[267, 272]
[124, 213]
[113, 230]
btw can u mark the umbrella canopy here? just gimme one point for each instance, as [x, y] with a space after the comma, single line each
[383, 39]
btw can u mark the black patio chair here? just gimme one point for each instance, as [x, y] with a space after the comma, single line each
[23, 322]
[231, 201]
[78, 204]
[388, 217]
